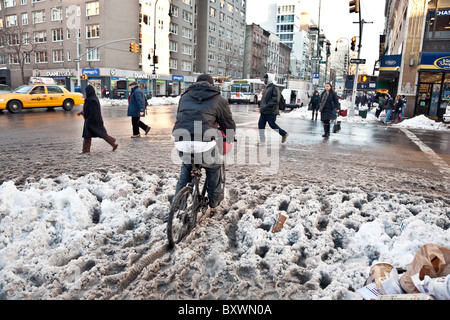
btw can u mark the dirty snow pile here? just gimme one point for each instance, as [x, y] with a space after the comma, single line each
[156, 101]
[67, 238]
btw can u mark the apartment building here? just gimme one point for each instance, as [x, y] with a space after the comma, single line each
[178, 40]
[48, 37]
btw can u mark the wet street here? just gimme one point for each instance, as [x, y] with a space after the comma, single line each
[40, 143]
[79, 226]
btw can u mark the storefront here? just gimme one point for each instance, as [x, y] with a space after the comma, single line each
[433, 90]
[389, 74]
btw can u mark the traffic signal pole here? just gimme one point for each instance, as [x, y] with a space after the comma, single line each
[355, 79]
[79, 56]
[361, 22]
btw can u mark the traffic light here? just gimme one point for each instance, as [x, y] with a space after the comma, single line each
[353, 44]
[134, 47]
[155, 60]
[354, 6]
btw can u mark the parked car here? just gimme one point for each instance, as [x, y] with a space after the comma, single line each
[40, 96]
[5, 88]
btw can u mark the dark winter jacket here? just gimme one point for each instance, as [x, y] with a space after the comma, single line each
[332, 103]
[201, 110]
[136, 102]
[93, 121]
[270, 100]
[389, 104]
[315, 102]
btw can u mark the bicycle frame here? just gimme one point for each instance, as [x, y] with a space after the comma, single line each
[199, 195]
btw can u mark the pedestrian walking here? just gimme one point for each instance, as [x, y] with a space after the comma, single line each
[269, 109]
[381, 101]
[315, 104]
[329, 104]
[398, 106]
[388, 107]
[136, 110]
[93, 121]
[203, 106]
[405, 101]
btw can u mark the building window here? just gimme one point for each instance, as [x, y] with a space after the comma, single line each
[40, 37]
[57, 14]
[93, 54]
[13, 58]
[173, 28]
[174, 11]
[10, 3]
[186, 49]
[40, 57]
[38, 16]
[11, 21]
[187, 33]
[92, 31]
[186, 66]
[57, 35]
[187, 16]
[92, 8]
[24, 19]
[58, 55]
[173, 46]
[173, 64]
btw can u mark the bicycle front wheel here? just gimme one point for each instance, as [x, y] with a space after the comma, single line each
[182, 216]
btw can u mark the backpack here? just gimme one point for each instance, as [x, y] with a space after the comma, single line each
[281, 101]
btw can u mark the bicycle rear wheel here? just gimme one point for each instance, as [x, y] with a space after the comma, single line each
[182, 215]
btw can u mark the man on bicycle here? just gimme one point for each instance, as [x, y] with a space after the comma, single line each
[202, 111]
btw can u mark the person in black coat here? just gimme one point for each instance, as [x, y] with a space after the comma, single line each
[328, 103]
[201, 116]
[93, 121]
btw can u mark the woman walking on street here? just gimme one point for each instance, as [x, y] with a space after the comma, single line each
[93, 121]
[315, 103]
[328, 102]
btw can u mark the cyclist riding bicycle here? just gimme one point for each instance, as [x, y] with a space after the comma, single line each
[202, 111]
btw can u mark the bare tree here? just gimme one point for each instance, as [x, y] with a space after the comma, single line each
[17, 46]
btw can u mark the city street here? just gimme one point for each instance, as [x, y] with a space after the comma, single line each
[39, 143]
[77, 226]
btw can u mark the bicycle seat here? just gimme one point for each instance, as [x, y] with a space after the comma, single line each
[195, 146]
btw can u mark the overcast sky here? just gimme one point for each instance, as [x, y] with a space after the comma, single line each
[337, 22]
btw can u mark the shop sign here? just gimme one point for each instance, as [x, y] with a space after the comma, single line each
[145, 76]
[91, 72]
[67, 73]
[177, 78]
[443, 63]
[435, 61]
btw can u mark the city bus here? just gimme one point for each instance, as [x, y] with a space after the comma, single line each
[246, 90]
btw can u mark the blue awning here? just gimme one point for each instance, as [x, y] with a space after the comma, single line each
[391, 63]
[435, 61]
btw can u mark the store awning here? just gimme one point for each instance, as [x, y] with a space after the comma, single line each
[391, 63]
[435, 61]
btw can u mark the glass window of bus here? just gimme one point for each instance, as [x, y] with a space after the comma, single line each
[236, 88]
[245, 88]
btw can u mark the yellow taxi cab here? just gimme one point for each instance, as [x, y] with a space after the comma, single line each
[40, 96]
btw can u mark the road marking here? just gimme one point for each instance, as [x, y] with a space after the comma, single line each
[437, 161]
